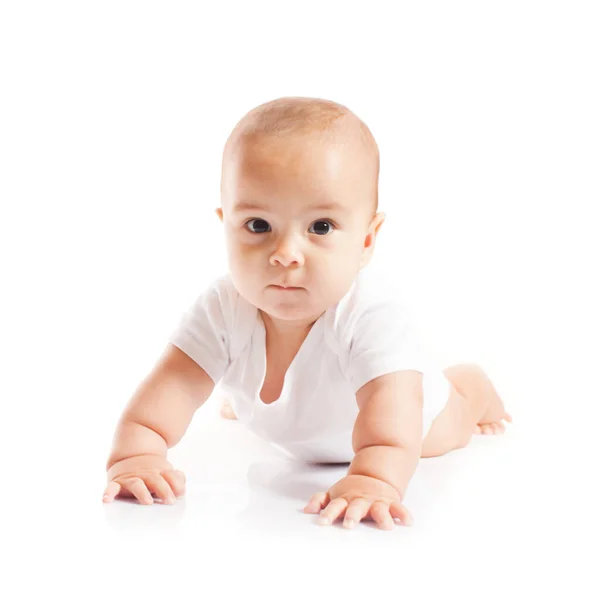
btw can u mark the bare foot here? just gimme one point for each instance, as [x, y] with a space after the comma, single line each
[491, 422]
[227, 411]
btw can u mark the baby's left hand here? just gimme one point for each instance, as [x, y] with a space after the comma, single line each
[359, 496]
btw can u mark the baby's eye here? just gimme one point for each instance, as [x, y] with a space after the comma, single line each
[262, 224]
[329, 226]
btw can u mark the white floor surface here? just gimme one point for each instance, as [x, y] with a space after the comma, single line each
[510, 514]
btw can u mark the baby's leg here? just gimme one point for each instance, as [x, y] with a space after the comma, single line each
[473, 407]
[487, 407]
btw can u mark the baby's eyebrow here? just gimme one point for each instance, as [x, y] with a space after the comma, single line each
[243, 206]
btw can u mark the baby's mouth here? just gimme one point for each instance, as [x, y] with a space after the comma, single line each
[281, 287]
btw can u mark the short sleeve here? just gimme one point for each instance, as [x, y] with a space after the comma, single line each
[202, 331]
[381, 338]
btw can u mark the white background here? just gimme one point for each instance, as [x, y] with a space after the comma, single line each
[113, 117]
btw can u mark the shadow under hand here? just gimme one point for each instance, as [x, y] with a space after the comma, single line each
[271, 483]
[127, 515]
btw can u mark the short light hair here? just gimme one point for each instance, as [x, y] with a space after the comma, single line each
[294, 116]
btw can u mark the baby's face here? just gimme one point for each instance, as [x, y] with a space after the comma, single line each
[297, 214]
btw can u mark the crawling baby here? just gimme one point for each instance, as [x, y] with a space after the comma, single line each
[311, 349]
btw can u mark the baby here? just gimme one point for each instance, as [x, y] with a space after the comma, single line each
[313, 353]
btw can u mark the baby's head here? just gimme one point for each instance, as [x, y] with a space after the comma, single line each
[299, 205]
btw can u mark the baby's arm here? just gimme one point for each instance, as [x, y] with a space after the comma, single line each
[387, 434]
[161, 408]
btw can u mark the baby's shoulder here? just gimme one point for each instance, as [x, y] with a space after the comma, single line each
[371, 304]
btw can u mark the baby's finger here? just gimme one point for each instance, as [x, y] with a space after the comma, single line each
[138, 488]
[356, 511]
[316, 503]
[160, 488]
[380, 513]
[399, 511]
[111, 491]
[333, 511]
[176, 479]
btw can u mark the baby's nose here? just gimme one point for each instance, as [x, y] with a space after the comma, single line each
[287, 252]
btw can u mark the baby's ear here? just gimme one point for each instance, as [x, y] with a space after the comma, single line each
[219, 212]
[382, 217]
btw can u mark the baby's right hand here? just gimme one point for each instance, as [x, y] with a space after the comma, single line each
[138, 476]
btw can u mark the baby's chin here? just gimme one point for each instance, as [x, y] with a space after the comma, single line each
[290, 306]
[287, 309]
[285, 304]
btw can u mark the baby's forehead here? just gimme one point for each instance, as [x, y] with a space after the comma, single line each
[313, 158]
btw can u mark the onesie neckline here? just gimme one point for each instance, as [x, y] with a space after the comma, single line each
[300, 357]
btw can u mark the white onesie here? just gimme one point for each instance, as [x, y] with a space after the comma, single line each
[365, 335]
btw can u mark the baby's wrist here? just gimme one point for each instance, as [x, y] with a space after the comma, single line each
[394, 465]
